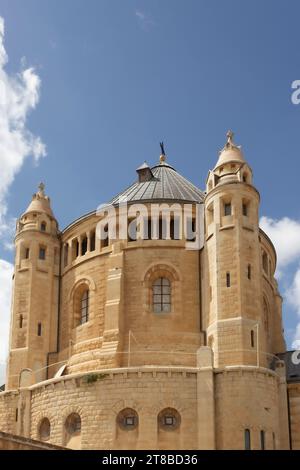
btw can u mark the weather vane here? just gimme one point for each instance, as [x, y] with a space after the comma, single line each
[162, 148]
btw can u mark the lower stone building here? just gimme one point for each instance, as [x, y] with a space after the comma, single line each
[153, 322]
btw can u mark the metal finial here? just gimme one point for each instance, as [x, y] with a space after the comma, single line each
[229, 136]
[41, 188]
[162, 155]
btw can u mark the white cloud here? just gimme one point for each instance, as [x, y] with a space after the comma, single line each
[293, 297]
[285, 235]
[144, 20]
[296, 342]
[19, 94]
[6, 271]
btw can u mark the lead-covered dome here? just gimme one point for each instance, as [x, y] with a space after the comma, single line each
[160, 183]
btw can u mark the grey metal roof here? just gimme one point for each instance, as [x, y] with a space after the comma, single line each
[166, 184]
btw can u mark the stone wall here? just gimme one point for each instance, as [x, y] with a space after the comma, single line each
[247, 399]
[99, 403]
[294, 405]
[12, 442]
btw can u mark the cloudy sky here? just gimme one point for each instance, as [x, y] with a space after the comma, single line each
[89, 88]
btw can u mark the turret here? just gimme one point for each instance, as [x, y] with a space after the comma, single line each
[236, 328]
[35, 293]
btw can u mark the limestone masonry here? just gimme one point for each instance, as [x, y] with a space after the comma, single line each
[168, 338]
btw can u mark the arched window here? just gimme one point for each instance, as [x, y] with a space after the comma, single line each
[169, 419]
[161, 295]
[72, 431]
[128, 419]
[44, 429]
[43, 226]
[247, 438]
[73, 424]
[84, 307]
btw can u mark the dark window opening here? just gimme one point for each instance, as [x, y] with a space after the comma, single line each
[149, 226]
[262, 440]
[84, 307]
[44, 430]
[247, 438]
[42, 253]
[21, 321]
[93, 241]
[105, 241]
[227, 208]
[73, 424]
[169, 420]
[128, 419]
[161, 295]
[227, 279]
[39, 329]
[66, 253]
[252, 339]
[84, 246]
[249, 271]
[17, 414]
[43, 226]
[27, 252]
[245, 210]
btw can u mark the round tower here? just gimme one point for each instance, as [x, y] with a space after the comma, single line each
[235, 324]
[35, 293]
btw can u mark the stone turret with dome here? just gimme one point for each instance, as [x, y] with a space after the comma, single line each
[231, 166]
[40, 202]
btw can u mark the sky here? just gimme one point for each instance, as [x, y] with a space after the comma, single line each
[88, 89]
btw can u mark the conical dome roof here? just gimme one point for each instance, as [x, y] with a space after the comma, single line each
[230, 153]
[40, 202]
[165, 184]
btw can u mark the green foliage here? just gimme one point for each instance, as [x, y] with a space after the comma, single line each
[92, 378]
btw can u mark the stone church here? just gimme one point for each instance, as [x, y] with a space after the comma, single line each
[131, 331]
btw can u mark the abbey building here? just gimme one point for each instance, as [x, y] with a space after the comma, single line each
[152, 323]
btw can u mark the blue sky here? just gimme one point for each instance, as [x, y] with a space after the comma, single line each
[118, 76]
